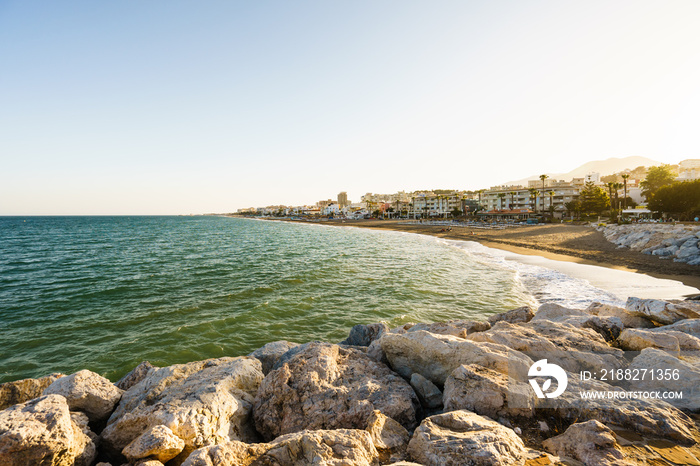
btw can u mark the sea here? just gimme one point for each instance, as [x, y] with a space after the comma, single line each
[105, 293]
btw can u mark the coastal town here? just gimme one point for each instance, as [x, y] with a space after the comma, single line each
[625, 193]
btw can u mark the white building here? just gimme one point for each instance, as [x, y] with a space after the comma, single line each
[435, 205]
[331, 209]
[556, 194]
[592, 177]
[689, 170]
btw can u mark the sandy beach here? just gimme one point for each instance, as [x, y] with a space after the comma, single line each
[572, 243]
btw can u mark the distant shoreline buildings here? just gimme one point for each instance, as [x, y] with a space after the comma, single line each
[499, 202]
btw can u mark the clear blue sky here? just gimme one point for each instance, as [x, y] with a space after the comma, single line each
[133, 107]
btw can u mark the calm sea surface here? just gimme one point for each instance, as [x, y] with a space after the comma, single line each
[105, 293]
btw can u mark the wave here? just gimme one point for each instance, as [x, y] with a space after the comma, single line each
[572, 284]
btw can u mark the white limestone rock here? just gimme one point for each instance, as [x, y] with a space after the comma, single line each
[88, 392]
[201, 402]
[488, 393]
[436, 356]
[342, 447]
[671, 375]
[667, 340]
[688, 326]
[590, 442]
[574, 348]
[514, 316]
[21, 391]
[41, 431]
[388, 436]
[157, 443]
[663, 312]
[628, 319]
[457, 328]
[556, 313]
[327, 386]
[462, 438]
[650, 417]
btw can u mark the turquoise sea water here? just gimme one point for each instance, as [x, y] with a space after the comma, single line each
[105, 293]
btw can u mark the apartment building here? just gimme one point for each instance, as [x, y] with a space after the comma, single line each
[689, 170]
[556, 193]
[401, 196]
[437, 205]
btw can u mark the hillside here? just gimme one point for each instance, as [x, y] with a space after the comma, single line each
[604, 167]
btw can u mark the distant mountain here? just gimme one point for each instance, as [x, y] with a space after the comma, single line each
[604, 167]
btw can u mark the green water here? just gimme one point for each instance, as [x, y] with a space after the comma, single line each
[105, 293]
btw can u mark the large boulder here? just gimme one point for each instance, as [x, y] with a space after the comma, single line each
[663, 312]
[689, 326]
[42, 431]
[363, 335]
[21, 391]
[628, 319]
[590, 442]
[342, 447]
[573, 348]
[157, 443]
[514, 316]
[463, 438]
[429, 395]
[327, 386]
[202, 403]
[388, 436]
[375, 351]
[584, 400]
[671, 374]
[136, 375]
[488, 393]
[270, 353]
[556, 313]
[436, 356]
[608, 327]
[87, 392]
[635, 339]
[457, 328]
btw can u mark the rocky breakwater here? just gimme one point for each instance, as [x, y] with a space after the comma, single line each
[448, 393]
[678, 242]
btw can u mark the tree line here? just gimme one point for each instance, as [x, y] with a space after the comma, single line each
[664, 194]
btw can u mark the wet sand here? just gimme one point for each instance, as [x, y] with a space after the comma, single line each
[572, 243]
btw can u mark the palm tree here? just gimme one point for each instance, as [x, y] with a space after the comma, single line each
[480, 191]
[610, 186]
[500, 200]
[624, 181]
[512, 195]
[543, 177]
[551, 201]
[533, 198]
[413, 206]
[617, 187]
[369, 206]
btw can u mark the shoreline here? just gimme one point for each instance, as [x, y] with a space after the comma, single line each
[384, 383]
[559, 242]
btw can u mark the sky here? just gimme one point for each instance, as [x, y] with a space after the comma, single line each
[180, 107]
